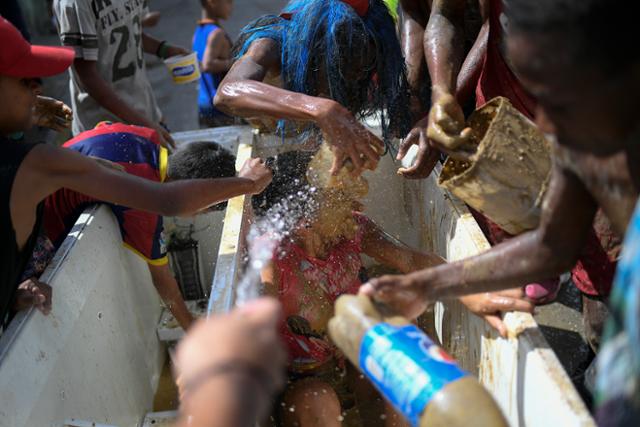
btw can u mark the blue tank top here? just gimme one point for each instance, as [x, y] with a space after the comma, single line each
[208, 82]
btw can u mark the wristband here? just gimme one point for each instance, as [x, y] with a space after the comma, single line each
[247, 369]
[161, 51]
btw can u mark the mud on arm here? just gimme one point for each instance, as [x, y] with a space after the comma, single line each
[567, 214]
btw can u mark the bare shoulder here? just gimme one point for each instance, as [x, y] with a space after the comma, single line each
[265, 52]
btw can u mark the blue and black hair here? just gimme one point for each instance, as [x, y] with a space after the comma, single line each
[327, 48]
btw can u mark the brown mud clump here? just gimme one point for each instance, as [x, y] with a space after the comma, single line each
[337, 197]
[506, 176]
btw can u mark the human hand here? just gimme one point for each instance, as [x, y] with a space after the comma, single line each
[166, 140]
[491, 305]
[405, 295]
[349, 139]
[33, 293]
[427, 156]
[256, 171]
[447, 130]
[51, 113]
[248, 335]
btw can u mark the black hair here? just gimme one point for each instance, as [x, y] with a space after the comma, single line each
[201, 160]
[289, 179]
[600, 32]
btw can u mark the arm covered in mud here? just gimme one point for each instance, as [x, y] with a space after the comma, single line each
[53, 168]
[393, 253]
[567, 214]
[444, 49]
[445, 124]
[243, 93]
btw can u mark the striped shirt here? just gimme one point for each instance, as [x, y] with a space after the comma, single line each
[110, 33]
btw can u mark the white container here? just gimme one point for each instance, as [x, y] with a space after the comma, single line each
[183, 68]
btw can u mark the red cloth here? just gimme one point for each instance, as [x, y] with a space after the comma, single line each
[332, 277]
[496, 78]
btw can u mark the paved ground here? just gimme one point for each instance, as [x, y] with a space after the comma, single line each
[178, 102]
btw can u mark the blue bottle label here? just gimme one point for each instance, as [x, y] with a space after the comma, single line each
[406, 367]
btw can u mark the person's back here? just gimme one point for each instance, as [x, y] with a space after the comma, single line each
[15, 256]
[213, 47]
[137, 151]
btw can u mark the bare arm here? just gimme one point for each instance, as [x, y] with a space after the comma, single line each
[151, 44]
[414, 22]
[552, 248]
[53, 168]
[393, 253]
[217, 54]
[104, 94]
[242, 93]
[472, 66]
[444, 44]
[169, 292]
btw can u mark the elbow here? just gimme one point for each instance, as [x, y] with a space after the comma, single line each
[222, 101]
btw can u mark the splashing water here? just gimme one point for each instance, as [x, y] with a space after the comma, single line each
[265, 236]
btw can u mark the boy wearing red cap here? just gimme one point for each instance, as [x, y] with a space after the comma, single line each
[30, 172]
[109, 79]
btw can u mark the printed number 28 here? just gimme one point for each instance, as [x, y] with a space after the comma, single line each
[119, 70]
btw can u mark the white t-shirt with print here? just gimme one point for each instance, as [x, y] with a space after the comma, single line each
[109, 32]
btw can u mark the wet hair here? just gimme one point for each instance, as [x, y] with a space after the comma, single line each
[289, 179]
[201, 160]
[600, 32]
[326, 39]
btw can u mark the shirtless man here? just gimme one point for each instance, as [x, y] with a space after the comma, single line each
[315, 63]
[575, 59]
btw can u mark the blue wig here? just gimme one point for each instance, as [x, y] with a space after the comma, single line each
[328, 50]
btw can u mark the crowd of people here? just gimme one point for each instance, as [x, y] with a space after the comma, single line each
[314, 72]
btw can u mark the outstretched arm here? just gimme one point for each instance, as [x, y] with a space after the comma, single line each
[242, 93]
[52, 168]
[393, 253]
[217, 55]
[444, 50]
[552, 248]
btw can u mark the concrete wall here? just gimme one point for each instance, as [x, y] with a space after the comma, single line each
[96, 357]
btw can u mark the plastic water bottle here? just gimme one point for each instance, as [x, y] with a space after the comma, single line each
[416, 376]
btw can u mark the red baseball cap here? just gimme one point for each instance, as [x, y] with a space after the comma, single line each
[18, 58]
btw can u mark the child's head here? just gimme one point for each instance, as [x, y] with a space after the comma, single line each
[327, 212]
[219, 9]
[20, 64]
[201, 160]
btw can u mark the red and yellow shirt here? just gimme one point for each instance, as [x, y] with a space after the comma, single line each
[138, 151]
